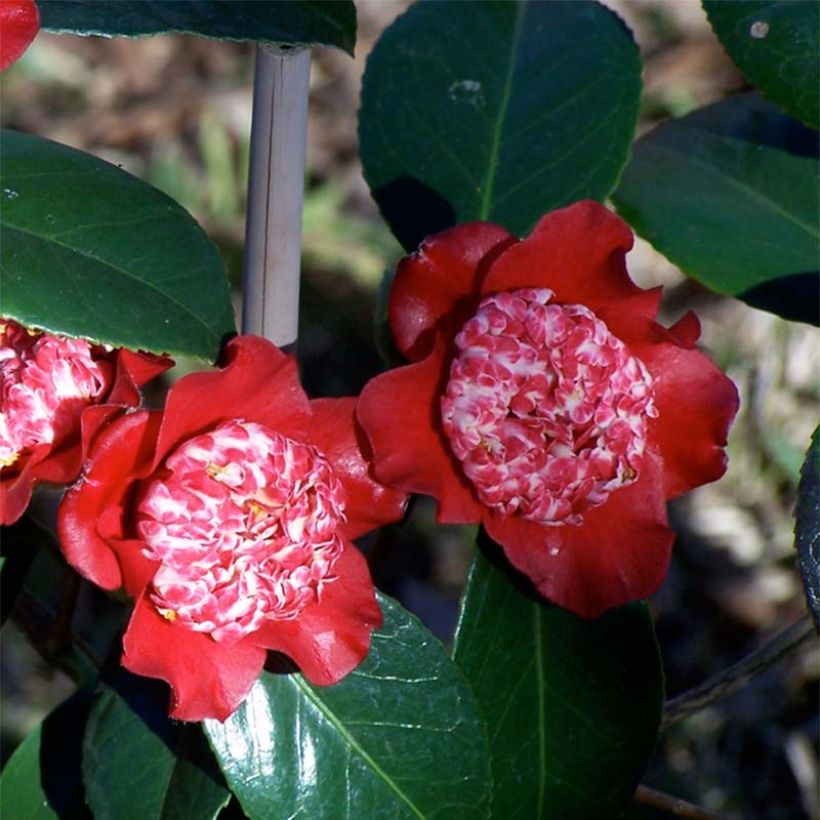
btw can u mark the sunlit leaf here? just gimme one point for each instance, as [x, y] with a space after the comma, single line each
[89, 250]
[399, 737]
[498, 111]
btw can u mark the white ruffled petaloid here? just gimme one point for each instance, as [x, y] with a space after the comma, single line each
[546, 409]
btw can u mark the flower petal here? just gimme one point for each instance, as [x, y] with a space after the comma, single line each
[620, 552]
[207, 679]
[400, 412]
[578, 252]
[91, 512]
[696, 404]
[258, 383]
[19, 24]
[132, 371]
[430, 283]
[330, 638]
[335, 431]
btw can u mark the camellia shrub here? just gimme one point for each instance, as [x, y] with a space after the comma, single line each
[245, 664]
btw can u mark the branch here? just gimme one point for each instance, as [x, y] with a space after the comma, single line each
[738, 675]
[674, 805]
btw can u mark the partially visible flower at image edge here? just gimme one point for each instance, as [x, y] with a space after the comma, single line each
[19, 24]
[229, 516]
[543, 401]
[48, 384]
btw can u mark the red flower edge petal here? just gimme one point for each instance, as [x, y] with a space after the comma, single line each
[337, 434]
[257, 376]
[132, 371]
[619, 554]
[579, 253]
[399, 410]
[330, 637]
[19, 24]
[431, 282]
[89, 516]
[207, 679]
[696, 403]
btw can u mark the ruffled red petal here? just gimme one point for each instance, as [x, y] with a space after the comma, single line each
[578, 252]
[92, 511]
[335, 431]
[620, 552]
[19, 24]
[696, 404]
[15, 493]
[400, 412]
[132, 370]
[331, 637]
[429, 284]
[207, 679]
[258, 383]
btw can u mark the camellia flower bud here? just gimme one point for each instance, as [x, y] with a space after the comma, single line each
[545, 402]
[229, 516]
[46, 384]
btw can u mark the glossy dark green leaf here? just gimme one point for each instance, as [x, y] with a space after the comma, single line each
[730, 194]
[89, 250]
[498, 111]
[572, 706]
[775, 44]
[399, 737]
[139, 763]
[42, 779]
[321, 22]
[807, 526]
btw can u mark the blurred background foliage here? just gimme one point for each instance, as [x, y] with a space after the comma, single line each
[176, 110]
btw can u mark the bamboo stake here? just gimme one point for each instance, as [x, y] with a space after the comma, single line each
[273, 232]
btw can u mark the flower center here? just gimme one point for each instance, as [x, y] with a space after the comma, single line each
[45, 384]
[244, 527]
[545, 408]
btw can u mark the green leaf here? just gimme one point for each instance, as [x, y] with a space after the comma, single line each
[42, 779]
[807, 526]
[498, 111]
[730, 194]
[320, 22]
[572, 706]
[399, 737]
[88, 250]
[775, 44]
[140, 763]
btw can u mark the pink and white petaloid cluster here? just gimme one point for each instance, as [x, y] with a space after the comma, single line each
[45, 384]
[545, 408]
[244, 527]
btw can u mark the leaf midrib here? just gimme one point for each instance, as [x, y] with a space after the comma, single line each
[506, 94]
[353, 744]
[125, 273]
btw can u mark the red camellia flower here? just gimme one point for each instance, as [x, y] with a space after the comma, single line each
[19, 24]
[545, 402]
[47, 386]
[229, 516]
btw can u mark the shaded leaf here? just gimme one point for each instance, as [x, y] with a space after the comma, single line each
[572, 706]
[140, 763]
[730, 194]
[321, 22]
[807, 526]
[775, 44]
[399, 737]
[486, 110]
[89, 250]
[42, 779]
